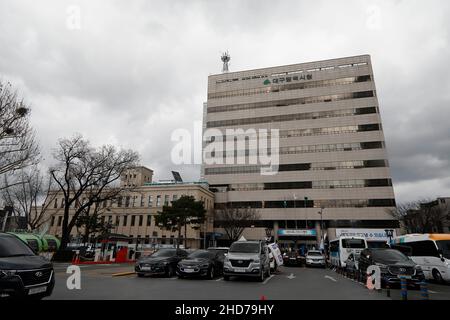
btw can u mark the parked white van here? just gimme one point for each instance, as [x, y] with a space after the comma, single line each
[430, 251]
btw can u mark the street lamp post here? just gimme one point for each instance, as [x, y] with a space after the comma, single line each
[321, 224]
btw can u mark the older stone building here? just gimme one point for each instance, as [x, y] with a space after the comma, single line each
[133, 214]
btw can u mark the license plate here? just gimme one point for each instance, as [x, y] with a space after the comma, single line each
[146, 268]
[239, 269]
[37, 290]
[189, 270]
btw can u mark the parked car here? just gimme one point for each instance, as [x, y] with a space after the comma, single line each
[315, 258]
[247, 258]
[162, 262]
[203, 263]
[23, 273]
[293, 258]
[392, 264]
[224, 250]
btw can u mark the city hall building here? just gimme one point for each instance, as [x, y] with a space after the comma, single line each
[333, 168]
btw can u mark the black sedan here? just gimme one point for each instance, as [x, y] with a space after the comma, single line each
[162, 262]
[393, 264]
[201, 263]
[23, 273]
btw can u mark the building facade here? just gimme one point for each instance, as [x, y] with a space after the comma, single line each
[333, 166]
[133, 213]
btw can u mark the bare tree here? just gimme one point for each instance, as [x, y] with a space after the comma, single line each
[421, 216]
[18, 148]
[27, 193]
[86, 176]
[235, 220]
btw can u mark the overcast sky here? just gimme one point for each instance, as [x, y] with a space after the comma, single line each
[131, 72]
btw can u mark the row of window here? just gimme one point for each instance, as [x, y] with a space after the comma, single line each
[357, 164]
[337, 147]
[291, 86]
[135, 220]
[293, 117]
[323, 184]
[134, 201]
[290, 102]
[300, 71]
[350, 203]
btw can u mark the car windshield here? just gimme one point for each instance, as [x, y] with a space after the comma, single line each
[201, 254]
[353, 243]
[314, 254]
[244, 247]
[444, 245]
[164, 253]
[388, 256]
[13, 247]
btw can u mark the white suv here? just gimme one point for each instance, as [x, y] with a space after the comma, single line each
[247, 258]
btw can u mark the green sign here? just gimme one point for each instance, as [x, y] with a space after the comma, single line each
[266, 82]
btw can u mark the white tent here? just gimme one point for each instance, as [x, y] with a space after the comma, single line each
[242, 239]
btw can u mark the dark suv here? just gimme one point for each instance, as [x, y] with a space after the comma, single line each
[162, 262]
[23, 273]
[392, 264]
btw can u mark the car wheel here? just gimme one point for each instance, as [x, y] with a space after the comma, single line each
[226, 278]
[140, 275]
[437, 276]
[211, 273]
[170, 271]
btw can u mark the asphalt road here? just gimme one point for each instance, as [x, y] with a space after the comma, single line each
[290, 283]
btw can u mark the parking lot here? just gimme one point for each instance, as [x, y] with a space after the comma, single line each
[289, 283]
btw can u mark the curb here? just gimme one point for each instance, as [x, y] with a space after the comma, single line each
[123, 274]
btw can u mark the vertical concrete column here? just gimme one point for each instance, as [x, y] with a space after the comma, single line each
[318, 231]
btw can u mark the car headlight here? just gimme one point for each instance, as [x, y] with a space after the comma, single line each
[418, 269]
[7, 273]
[383, 267]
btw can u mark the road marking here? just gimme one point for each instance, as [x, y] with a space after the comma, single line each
[431, 291]
[291, 276]
[267, 280]
[220, 279]
[331, 278]
[173, 278]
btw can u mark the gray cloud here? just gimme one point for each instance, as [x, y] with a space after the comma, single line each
[136, 71]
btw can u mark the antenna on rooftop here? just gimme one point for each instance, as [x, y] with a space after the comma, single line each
[225, 59]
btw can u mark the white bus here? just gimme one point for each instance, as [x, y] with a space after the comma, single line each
[430, 251]
[342, 247]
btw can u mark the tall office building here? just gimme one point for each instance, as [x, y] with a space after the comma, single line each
[333, 168]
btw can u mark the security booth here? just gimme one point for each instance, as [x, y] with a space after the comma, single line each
[114, 247]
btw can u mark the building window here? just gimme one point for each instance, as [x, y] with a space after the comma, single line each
[142, 200]
[175, 197]
[62, 203]
[119, 202]
[158, 201]
[150, 201]
[163, 240]
[141, 219]
[125, 221]
[59, 221]
[149, 220]
[133, 220]
[166, 200]
[53, 221]
[55, 205]
[127, 201]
